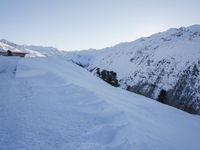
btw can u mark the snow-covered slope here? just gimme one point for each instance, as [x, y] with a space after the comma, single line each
[83, 57]
[49, 103]
[46, 51]
[32, 51]
[168, 61]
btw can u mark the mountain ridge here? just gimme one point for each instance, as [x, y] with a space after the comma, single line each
[160, 62]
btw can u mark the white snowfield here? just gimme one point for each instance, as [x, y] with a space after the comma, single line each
[52, 104]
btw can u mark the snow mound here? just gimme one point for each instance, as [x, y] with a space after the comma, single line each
[49, 103]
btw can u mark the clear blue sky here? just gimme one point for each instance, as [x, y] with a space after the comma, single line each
[82, 24]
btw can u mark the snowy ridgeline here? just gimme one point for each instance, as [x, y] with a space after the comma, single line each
[164, 66]
[32, 51]
[49, 103]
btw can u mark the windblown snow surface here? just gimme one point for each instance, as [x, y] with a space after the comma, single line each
[52, 104]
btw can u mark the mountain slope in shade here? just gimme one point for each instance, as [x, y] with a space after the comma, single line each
[164, 66]
[49, 103]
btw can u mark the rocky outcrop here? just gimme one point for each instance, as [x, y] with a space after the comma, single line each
[108, 76]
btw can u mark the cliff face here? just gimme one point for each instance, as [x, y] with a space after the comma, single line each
[164, 66]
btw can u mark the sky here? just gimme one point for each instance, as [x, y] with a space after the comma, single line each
[84, 24]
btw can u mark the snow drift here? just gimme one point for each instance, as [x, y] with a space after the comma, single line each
[49, 103]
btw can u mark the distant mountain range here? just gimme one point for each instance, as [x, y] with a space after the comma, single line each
[33, 51]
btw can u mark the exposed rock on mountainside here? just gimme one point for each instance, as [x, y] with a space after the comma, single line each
[108, 76]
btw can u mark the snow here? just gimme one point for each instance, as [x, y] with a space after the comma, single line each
[49, 103]
[83, 57]
[140, 60]
[194, 28]
[5, 47]
[30, 50]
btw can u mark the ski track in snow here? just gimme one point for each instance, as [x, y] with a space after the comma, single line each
[49, 104]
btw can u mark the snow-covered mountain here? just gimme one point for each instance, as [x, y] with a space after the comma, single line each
[83, 57]
[163, 66]
[32, 51]
[49, 103]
